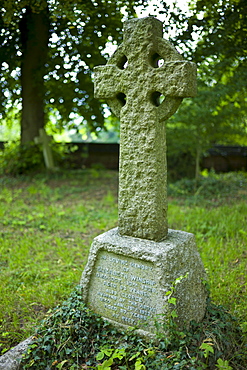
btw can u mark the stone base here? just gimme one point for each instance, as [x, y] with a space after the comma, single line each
[11, 359]
[126, 279]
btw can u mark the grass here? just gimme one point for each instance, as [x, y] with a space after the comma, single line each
[218, 218]
[47, 226]
[49, 221]
[221, 236]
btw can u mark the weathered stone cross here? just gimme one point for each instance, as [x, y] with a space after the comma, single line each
[144, 93]
[44, 139]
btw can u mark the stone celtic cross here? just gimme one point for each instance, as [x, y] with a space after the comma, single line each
[143, 92]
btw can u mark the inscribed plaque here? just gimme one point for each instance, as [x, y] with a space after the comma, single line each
[123, 289]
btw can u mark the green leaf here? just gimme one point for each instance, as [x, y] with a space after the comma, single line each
[172, 300]
[107, 351]
[139, 365]
[207, 348]
[174, 314]
[134, 356]
[223, 365]
[100, 356]
[119, 353]
[60, 365]
[106, 364]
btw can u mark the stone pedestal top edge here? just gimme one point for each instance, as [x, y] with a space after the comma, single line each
[177, 244]
[174, 238]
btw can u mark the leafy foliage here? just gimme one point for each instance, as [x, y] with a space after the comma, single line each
[78, 33]
[73, 337]
[204, 121]
[16, 159]
[221, 49]
[213, 35]
[222, 26]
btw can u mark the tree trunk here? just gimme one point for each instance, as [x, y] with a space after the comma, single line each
[34, 28]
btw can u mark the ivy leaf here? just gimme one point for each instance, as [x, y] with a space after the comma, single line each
[60, 365]
[172, 300]
[100, 356]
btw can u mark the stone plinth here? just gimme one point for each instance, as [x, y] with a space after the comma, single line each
[126, 279]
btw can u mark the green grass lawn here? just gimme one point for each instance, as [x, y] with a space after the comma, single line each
[48, 222]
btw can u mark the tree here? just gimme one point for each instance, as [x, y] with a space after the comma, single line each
[34, 37]
[198, 125]
[221, 51]
[215, 37]
[48, 51]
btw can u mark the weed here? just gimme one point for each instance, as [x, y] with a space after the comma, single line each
[16, 159]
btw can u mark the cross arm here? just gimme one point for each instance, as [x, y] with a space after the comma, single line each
[176, 79]
[106, 81]
[43, 138]
[109, 85]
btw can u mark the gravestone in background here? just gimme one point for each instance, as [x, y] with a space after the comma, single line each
[131, 268]
[44, 140]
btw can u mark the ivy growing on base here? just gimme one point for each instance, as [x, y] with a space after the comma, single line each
[72, 337]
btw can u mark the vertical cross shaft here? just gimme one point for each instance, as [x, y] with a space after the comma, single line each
[133, 83]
